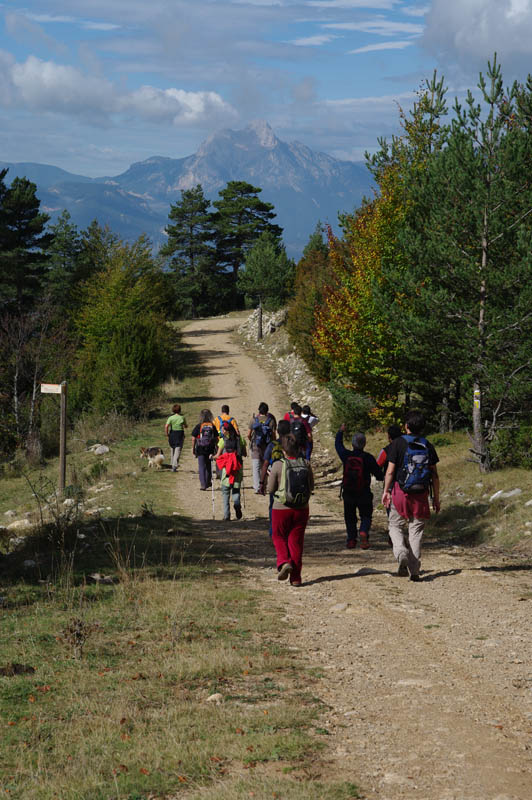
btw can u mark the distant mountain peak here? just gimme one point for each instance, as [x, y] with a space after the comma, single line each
[264, 133]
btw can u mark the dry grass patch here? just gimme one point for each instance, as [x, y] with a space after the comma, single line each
[131, 716]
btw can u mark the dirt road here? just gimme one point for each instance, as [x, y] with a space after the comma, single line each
[429, 685]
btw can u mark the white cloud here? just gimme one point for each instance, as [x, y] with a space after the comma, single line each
[314, 41]
[468, 32]
[175, 105]
[39, 85]
[369, 48]
[385, 5]
[415, 11]
[379, 26]
[66, 20]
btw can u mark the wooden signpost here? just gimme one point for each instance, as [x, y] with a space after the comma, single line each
[61, 389]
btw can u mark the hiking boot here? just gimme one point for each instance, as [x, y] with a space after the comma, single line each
[351, 544]
[295, 583]
[285, 571]
[364, 540]
[238, 512]
[402, 572]
[415, 578]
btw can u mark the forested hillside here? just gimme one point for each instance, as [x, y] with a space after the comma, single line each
[426, 299]
[423, 300]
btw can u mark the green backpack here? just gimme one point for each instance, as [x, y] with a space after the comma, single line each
[294, 486]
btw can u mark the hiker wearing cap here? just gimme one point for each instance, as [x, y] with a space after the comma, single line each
[175, 431]
[359, 466]
[231, 450]
[291, 482]
[411, 474]
[261, 432]
[204, 443]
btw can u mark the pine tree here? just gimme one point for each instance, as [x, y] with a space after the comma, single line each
[64, 262]
[268, 272]
[240, 219]
[198, 283]
[468, 240]
[23, 244]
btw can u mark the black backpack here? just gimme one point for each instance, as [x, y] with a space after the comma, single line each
[297, 428]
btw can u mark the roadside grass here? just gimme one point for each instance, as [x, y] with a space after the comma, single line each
[130, 621]
[130, 717]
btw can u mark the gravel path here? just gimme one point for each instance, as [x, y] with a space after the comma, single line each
[428, 685]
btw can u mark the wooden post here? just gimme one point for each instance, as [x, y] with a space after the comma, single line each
[259, 325]
[62, 438]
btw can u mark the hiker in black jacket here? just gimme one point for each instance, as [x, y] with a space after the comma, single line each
[359, 466]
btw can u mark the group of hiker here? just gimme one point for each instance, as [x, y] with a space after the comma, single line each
[280, 457]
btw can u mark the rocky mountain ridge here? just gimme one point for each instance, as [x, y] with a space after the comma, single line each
[304, 186]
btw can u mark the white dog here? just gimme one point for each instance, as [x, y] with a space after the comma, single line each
[154, 455]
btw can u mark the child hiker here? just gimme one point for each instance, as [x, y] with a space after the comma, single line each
[291, 481]
[229, 461]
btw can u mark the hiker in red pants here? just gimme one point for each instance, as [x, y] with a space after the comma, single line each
[291, 481]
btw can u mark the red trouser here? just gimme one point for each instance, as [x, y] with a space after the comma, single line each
[288, 536]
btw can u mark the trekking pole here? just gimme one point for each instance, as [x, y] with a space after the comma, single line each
[212, 492]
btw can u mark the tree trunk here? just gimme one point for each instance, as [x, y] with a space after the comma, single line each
[259, 320]
[444, 413]
[478, 434]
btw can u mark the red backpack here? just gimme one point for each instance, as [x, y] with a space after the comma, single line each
[353, 480]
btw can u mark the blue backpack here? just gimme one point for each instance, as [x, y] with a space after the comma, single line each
[415, 475]
[262, 432]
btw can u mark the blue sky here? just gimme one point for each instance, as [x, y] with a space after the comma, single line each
[93, 86]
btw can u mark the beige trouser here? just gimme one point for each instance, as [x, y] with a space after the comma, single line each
[402, 547]
[176, 452]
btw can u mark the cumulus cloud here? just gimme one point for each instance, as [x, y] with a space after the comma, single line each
[468, 32]
[46, 86]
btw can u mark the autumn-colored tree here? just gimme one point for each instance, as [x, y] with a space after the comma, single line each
[352, 330]
[355, 329]
[311, 275]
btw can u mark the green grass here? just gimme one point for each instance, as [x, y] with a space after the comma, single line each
[126, 716]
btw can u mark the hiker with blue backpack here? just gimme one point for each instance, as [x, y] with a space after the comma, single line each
[355, 490]
[261, 432]
[204, 444]
[411, 475]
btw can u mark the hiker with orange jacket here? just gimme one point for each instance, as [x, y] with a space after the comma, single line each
[359, 466]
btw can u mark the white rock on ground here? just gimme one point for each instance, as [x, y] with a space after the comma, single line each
[18, 524]
[10, 513]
